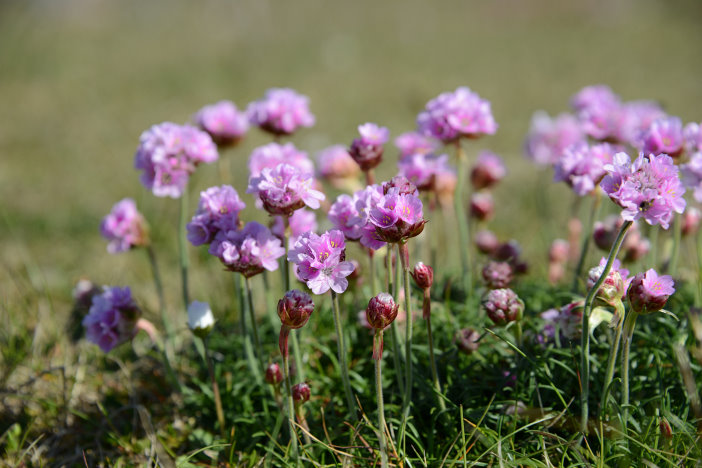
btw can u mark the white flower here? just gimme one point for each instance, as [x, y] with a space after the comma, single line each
[200, 318]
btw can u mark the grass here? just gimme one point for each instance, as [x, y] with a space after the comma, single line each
[79, 84]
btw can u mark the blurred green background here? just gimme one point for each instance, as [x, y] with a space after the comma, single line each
[80, 80]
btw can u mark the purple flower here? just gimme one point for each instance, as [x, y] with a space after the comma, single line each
[503, 306]
[218, 210]
[665, 135]
[548, 138]
[461, 113]
[649, 188]
[336, 163]
[284, 189]
[692, 133]
[273, 154]
[367, 150]
[600, 112]
[421, 169]
[168, 153]
[649, 292]
[397, 217]
[223, 121]
[615, 284]
[320, 261]
[410, 143]
[487, 170]
[582, 167]
[635, 117]
[112, 318]
[281, 111]
[248, 251]
[592, 96]
[692, 175]
[124, 227]
[365, 200]
[344, 216]
[567, 321]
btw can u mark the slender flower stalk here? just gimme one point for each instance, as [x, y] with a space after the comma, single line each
[299, 367]
[342, 355]
[629, 324]
[613, 352]
[461, 219]
[379, 397]
[158, 284]
[254, 327]
[183, 247]
[291, 405]
[585, 336]
[404, 258]
[397, 356]
[677, 236]
[587, 235]
[215, 388]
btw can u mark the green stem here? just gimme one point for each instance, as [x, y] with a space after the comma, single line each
[215, 388]
[434, 373]
[629, 324]
[254, 327]
[397, 356]
[291, 407]
[371, 270]
[613, 351]
[159, 288]
[183, 247]
[587, 236]
[379, 396]
[461, 219]
[677, 236]
[299, 367]
[248, 347]
[585, 335]
[404, 258]
[699, 267]
[342, 355]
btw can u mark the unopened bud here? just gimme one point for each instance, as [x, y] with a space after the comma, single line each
[467, 340]
[423, 275]
[482, 206]
[301, 393]
[295, 308]
[497, 275]
[486, 242]
[381, 311]
[273, 374]
[503, 306]
[200, 318]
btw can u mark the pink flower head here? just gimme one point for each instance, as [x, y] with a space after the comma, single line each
[273, 154]
[168, 153]
[487, 170]
[548, 138]
[635, 117]
[649, 292]
[503, 306]
[248, 251]
[218, 210]
[364, 201]
[398, 217]
[320, 261]
[467, 340]
[336, 163]
[461, 113]
[648, 188]
[600, 112]
[399, 185]
[284, 189]
[223, 121]
[367, 150]
[592, 96]
[692, 134]
[281, 111]
[486, 242]
[497, 274]
[692, 175]
[410, 143]
[344, 216]
[421, 169]
[124, 227]
[582, 167]
[295, 309]
[559, 251]
[615, 284]
[112, 318]
[566, 321]
[665, 135]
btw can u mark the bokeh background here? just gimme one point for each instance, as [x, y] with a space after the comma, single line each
[80, 80]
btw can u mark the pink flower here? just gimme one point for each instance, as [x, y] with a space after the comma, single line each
[410, 143]
[487, 170]
[344, 216]
[223, 121]
[218, 210]
[692, 175]
[284, 189]
[691, 221]
[168, 153]
[397, 217]
[248, 251]
[112, 318]
[486, 242]
[566, 321]
[124, 227]
[692, 133]
[648, 188]
[273, 154]
[461, 113]
[595, 95]
[421, 169]
[367, 150]
[548, 138]
[336, 163]
[320, 261]
[649, 292]
[281, 112]
[615, 284]
[665, 135]
[503, 306]
[582, 167]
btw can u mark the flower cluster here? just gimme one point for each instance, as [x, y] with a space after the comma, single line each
[503, 306]
[168, 153]
[398, 216]
[218, 210]
[457, 114]
[692, 175]
[549, 137]
[664, 135]
[223, 121]
[112, 318]
[410, 143]
[566, 321]
[319, 261]
[692, 135]
[281, 111]
[335, 164]
[648, 292]
[367, 150]
[582, 166]
[422, 169]
[273, 154]
[284, 189]
[248, 251]
[351, 215]
[615, 284]
[648, 188]
[124, 227]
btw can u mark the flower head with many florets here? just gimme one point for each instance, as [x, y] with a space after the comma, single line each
[218, 210]
[410, 143]
[398, 216]
[457, 114]
[223, 121]
[549, 137]
[421, 169]
[248, 251]
[320, 261]
[664, 135]
[648, 188]
[112, 318]
[168, 153]
[692, 175]
[648, 292]
[367, 150]
[272, 154]
[582, 167]
[124, 227]
[284, 189]
[281, 111]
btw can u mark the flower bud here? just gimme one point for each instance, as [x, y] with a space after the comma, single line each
[482, 206]
[559, 251]
[508, 251]
[691, 221]
[401, 185]
[467, 340]
[503, 306]
[487, 171]
[295, 308]
[301, 393]
[381, 311]
[666, 430]
[273, 374]
[367, 150]
[200, 318]
[612, 289]
[423, 275]
[497, 275]
[486, 242]
[649, 292]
